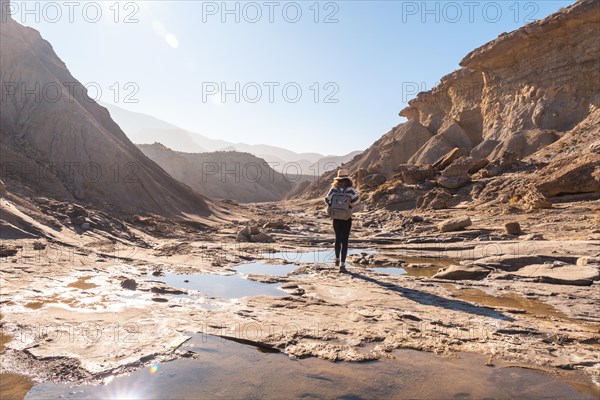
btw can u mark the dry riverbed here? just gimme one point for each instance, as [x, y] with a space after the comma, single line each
[100, 308]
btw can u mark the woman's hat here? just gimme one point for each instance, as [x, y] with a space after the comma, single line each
[342, 174]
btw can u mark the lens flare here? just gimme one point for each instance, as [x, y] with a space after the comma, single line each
[154, 369]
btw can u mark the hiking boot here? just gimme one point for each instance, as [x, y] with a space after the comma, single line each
[343, 268]
[337, 262]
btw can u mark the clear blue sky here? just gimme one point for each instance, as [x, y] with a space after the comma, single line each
[173, 52]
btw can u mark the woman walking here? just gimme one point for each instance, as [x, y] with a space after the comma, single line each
[340, 200]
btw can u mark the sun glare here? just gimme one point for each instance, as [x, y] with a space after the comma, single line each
[172, 40]
[154, 369]
[161, 30]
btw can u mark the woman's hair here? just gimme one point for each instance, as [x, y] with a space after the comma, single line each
[342, 182]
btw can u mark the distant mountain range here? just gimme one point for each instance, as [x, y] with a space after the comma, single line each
[231, 175]
[146, 129]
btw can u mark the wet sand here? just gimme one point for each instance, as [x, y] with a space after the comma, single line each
[14, 387]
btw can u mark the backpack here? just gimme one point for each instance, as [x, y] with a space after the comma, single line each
[340, 207]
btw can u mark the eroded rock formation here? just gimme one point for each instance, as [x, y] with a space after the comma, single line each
[57, 141]
[531, 94]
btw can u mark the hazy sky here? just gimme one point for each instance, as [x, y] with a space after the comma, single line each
[356, 63]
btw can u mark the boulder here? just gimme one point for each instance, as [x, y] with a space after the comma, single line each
[86, 226]
[509, 262]
[8, 251]
[477, 165]
[246, 233]
[435, 199]
[279, 224]
[78, 220]
[570, 175]
[588, 261]
[532, 199]
[160, 300]
[402, 196]
[372, 181]
[261, 238]
[453, 182]
[129, 284]
[456, 174]
[414, 174]
[164, 290]
[512, 228]
[243, 236]
[499, 165]
[76, 210]
[39, 246]
[460, 272]
[447, 159]
[455, 224]
[561, 274]
[397, 196]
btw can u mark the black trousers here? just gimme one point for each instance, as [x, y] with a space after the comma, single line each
[342, 234]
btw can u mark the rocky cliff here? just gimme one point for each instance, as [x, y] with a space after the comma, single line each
[231, 175]
[532, 94]
[57, 141]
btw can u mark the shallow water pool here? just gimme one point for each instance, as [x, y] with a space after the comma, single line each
[224, 286]
[229, 370]
[317, 255]
[266, 269]
[389, 271]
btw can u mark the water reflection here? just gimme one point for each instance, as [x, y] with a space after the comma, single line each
[224, 286]
[266, 269]
[317, 255]
[229, 370]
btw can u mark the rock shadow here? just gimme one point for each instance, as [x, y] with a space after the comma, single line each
[430, 299]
